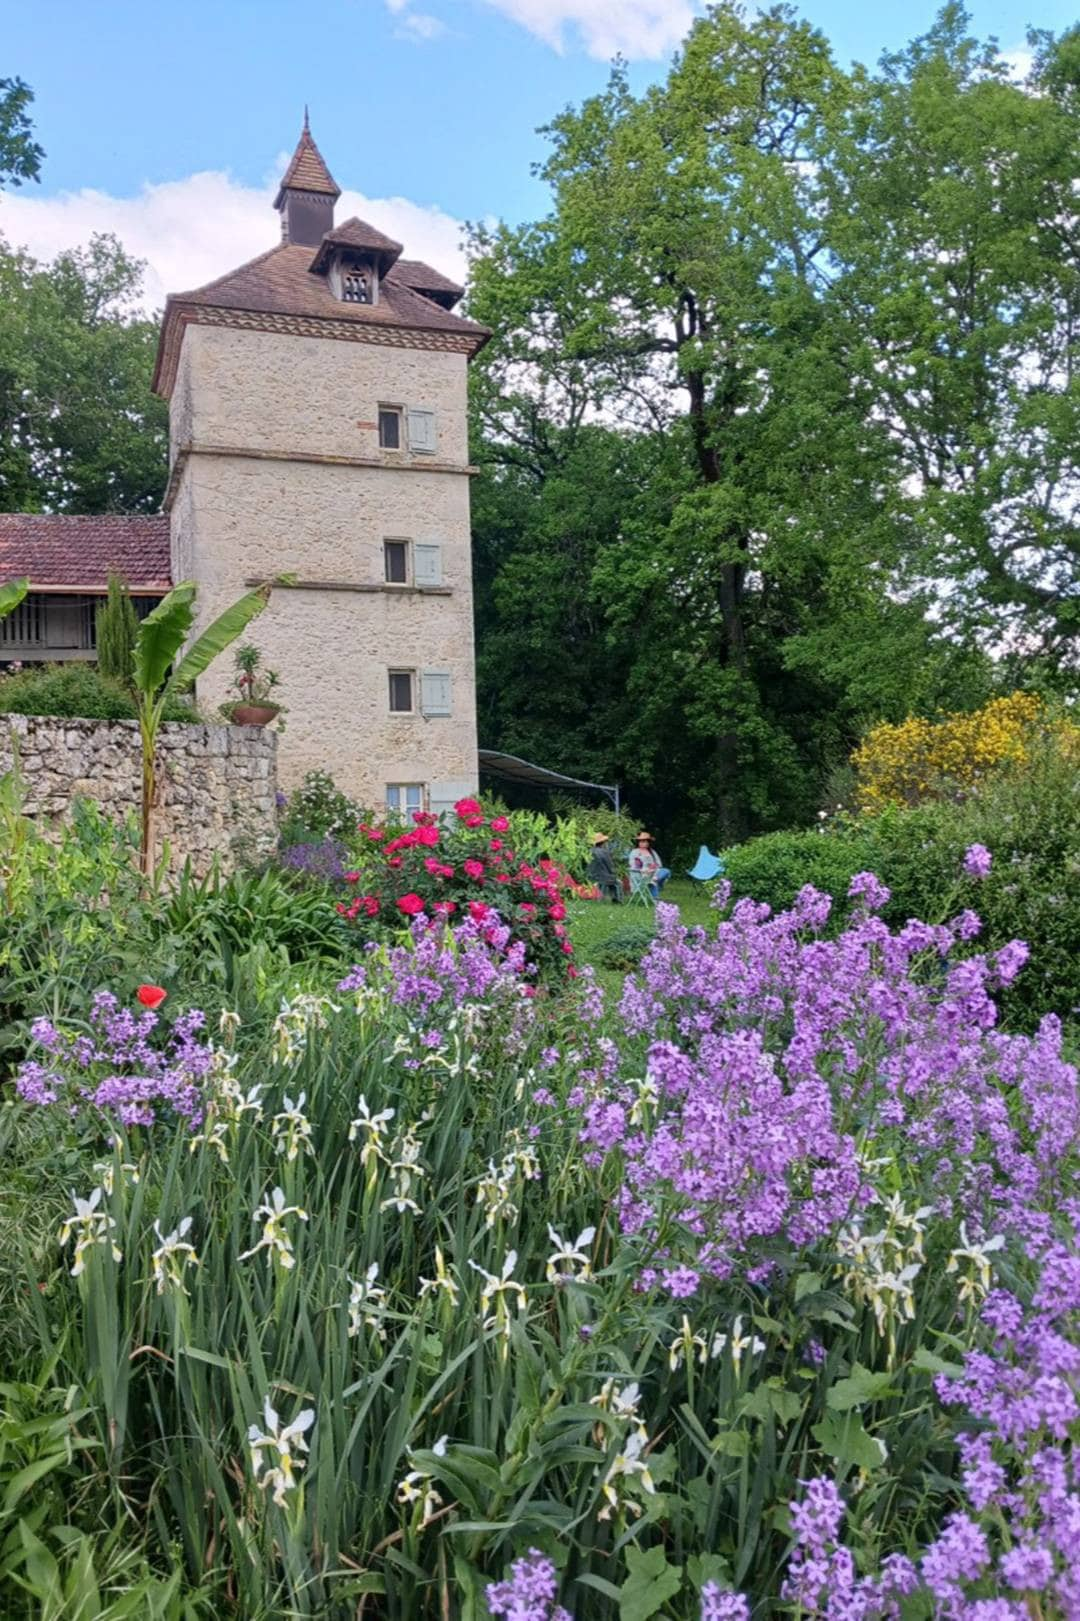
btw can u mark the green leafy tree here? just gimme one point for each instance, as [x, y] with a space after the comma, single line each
[117, 629]
[953, 230]
[11, 595]
[678, 292]
[160, 674]
[80, 430]
[20, 154]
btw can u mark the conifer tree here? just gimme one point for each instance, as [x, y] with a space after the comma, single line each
[117, 628]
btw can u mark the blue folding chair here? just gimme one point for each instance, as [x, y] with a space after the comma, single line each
[706, 866]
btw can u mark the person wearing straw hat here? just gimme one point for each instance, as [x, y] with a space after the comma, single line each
[602, 868]
[645, 860]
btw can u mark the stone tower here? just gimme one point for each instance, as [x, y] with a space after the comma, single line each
[317, 412]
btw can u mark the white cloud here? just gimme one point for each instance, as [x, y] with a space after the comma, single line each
[191, 230]
[419, 26]
[1020, 61]
[635, 28]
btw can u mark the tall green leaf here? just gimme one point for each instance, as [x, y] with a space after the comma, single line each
[161, 636]
[12, 594]
[225, 629]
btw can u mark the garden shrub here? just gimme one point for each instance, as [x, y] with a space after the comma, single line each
[623, 950]
[466, 866]
[922, 759]
[774, 867]
[316, 810]
[1028, 817]
[77, 691]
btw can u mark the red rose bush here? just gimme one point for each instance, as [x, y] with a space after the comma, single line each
[462, 868]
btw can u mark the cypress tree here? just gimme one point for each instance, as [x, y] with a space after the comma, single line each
[117, 628]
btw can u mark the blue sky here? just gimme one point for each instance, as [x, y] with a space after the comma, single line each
[425, 109]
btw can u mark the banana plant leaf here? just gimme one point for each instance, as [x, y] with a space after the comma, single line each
[12, 594]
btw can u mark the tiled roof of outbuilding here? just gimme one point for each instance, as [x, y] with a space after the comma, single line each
[57, 550]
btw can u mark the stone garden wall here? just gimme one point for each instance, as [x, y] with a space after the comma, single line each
[217, 784]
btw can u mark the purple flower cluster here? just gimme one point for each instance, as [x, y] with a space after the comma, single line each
[117, 1068]
[716, 1605]
[322, 858]
[775, 1053]
[530, 1591]
[1018, 1538]
[977, 861]
[446, 967]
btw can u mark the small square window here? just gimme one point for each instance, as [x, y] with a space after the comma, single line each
[396, 559]
[389, 428]
[401, 692]
[403, 798]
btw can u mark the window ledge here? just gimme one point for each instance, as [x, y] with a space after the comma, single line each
[360, 586]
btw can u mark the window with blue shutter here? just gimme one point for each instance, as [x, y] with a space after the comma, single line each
[435, 692]
[427, 562]
[421, 430]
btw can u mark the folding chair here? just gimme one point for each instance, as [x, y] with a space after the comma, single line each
[640, 893]
[706, 867]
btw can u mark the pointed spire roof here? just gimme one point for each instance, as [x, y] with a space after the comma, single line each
[307, 169]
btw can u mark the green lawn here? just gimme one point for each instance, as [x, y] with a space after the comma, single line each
[593, 923]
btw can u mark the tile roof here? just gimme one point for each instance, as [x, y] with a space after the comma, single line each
[58, 550]
[354, 233]
[307, 170]
[422, 278]
[279, 282]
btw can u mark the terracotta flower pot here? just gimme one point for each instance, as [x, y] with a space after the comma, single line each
[254, 714]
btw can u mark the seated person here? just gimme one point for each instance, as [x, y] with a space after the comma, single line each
[645, 860]
[602, 869]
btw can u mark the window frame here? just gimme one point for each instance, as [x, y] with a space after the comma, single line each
[397, 412]
[407, 555]
[403, 789]
[400, 670]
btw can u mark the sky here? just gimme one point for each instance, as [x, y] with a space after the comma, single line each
[170, 125]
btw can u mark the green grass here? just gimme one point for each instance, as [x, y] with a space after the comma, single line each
[592, 923]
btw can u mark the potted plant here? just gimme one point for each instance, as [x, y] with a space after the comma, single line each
[254, 706]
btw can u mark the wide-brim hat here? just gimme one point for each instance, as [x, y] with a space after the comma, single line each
[600, 838]
[643, 835]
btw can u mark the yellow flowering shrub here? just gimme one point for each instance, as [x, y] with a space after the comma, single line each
[924, 759]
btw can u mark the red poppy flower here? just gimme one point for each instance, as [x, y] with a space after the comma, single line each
[410, 904]
[151, 996]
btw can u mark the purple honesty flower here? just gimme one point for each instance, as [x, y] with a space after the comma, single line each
[717, 1605]
[977, 861]
[868, 888]
[530, 1591]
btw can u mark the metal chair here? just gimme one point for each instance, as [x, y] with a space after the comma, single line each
[640, 892]
[706, 867]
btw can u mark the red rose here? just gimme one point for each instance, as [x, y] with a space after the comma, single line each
[376, 833]
[352, 877]
[557, 912]
[426, 835]
[474, 821]
[466, 807]
[410, 904]
[496, 844]
[395, 861]
[478, 911]
[499, 824]
[473, 869]
[151, 996]
[446, 907]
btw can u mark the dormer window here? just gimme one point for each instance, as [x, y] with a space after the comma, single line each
[356, 285]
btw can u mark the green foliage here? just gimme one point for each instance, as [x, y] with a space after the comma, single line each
[20, 154]
[316, 810]
[624, 948]
[1028, 818]
[80, 430]
[12, 594]
[76, 689]
[117, 628]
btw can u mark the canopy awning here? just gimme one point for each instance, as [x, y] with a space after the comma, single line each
[508, 766]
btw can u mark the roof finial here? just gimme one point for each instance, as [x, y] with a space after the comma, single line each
[307, 126]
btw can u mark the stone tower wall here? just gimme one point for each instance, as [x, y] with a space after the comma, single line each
[278, 470]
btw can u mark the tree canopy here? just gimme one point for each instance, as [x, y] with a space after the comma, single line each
[777, 420]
